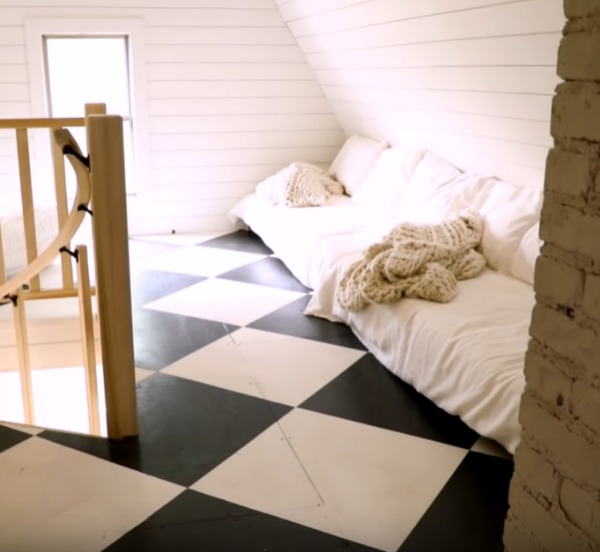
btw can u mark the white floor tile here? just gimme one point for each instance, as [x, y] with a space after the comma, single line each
[267, 365]
[57, 499]
[375, 484]
[225, 301]
[141, 374]
[274, 461]
[184, 239]
[201, 261]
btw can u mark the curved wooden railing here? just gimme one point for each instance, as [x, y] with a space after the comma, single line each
[103, 187]
[13, 289]
[71, 225]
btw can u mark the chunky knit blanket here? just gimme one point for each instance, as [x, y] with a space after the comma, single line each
[420, 261]
[299, 185]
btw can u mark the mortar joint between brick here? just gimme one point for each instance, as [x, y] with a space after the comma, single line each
[565, 365]
[569, 258]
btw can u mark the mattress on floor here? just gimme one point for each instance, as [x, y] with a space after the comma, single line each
[295, 234]
[13, 235]
[467, 356]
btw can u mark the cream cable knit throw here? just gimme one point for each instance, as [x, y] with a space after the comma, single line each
[421, 261]
[299, 185]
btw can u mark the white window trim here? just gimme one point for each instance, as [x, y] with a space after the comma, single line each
[133, 28]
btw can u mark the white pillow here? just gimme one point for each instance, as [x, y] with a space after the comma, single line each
[387, 178]
[508, 212]
[523, 264]
[466, 188]
[354, 161]
[427, 196]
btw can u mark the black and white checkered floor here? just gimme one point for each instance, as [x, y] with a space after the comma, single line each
[261, 430]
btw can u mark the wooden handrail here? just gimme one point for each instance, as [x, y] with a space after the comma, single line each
[71, 225]
[42, 123]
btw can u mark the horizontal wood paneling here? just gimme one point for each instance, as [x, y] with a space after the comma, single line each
[515, 79]
[14, 92]
[291, 124]
[533, 107]
[158, 4]
[199, 17]
[293, 10]
[244, 89]
[224, 54]
[187, 179]
[230, 100]
[10, 72]
[272, 72]
[239, 140]
[471, 80]
[278, 36]
[508, 51]
[256, 156]
[235, 106]
[394, 26]
[12, 55]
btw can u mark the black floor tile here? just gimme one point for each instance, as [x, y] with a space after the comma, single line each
[194, 521]
[10, 437]
[468, 514]
[368, 393]
[266, 272]
[291, 320]
[161, 338]
[241, 240]
[186, 429]
[153, 284]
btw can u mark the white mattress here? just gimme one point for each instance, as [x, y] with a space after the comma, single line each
[467, 356]
[295, 234]
[13, 235]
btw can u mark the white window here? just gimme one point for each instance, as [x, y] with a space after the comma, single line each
[80, 70]
[78, 61]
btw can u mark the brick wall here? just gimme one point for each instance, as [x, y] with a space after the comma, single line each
[555, 492]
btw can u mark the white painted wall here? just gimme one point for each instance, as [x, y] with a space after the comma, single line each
[229, 98]
[471, 80]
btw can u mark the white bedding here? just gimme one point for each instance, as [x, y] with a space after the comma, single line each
[13, 235]
[466, 356]
[294, 234]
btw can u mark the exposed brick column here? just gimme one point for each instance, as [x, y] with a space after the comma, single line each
[555, 492]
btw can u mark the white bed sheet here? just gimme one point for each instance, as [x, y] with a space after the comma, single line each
[467, 356]
[294, 234]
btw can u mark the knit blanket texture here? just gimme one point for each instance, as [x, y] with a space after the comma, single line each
[299, 185]
[419, 261]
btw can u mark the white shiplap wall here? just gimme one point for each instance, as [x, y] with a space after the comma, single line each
[471, 80]
[229, 97]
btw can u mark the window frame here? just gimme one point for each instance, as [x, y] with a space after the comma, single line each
[36, 29]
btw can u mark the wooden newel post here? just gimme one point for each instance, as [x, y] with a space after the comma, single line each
[113, 289]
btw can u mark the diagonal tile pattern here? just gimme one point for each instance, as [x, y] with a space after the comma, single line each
[56, 499]
[261, 429]
[250, 361]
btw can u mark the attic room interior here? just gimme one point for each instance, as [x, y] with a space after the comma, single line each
[299, 275]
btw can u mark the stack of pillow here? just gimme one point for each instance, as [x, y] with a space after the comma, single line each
[400, 184]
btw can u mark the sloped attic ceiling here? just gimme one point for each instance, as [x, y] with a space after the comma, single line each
[471, 80]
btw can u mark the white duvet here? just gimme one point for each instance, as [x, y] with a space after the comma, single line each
[467, 355]
[296, 235]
